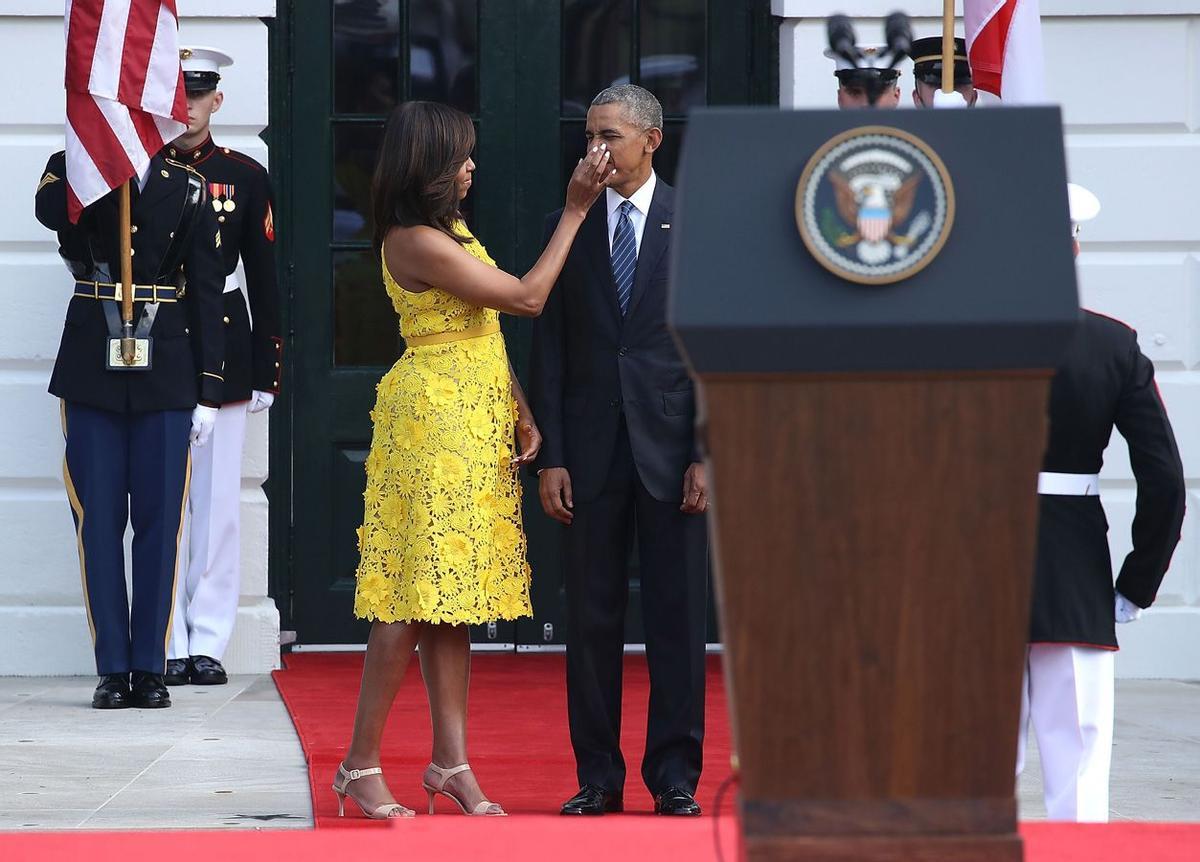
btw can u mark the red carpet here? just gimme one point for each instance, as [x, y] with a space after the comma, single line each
[517, 730]
[520, 747]
[521, 839]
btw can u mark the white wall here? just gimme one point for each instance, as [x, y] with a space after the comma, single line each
[43, 629]
[1127, 74]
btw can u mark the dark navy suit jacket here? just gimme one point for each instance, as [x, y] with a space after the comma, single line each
[593, 368]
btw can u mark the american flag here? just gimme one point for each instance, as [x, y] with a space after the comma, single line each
[125, 96]
[1004, 46]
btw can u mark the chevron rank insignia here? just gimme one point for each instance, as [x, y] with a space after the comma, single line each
[47, 179]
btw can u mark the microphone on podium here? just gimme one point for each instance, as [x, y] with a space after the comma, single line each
[841, 38]
[898, 32]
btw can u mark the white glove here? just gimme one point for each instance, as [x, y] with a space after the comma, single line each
[260, 401]
[203, 421]
[1126, 611]
[953, 99]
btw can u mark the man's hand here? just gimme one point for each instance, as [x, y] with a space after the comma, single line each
[204, 419]
[260, 401]
[554, 487]
[695, 490]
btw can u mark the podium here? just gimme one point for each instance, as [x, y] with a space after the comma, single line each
[873, 453]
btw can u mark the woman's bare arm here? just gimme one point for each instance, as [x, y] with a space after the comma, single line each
[422, 257]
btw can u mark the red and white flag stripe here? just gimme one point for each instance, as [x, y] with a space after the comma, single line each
[1004, 46]
[125, 96]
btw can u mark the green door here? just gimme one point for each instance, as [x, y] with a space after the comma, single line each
[525, 70]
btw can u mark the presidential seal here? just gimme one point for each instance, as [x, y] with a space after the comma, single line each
[875, 205]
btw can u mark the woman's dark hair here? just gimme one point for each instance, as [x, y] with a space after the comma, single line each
[424, 145]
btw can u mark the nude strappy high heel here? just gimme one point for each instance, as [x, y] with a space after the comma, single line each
[483, 809]
[383, 812]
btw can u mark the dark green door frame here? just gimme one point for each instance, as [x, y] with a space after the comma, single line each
[518, 181]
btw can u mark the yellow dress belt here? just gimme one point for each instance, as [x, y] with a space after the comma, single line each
[141, 292]
[447, 337]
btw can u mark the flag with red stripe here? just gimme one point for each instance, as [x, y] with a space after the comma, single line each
[1004, 46]
[125, 96]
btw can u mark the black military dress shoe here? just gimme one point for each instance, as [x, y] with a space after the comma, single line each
[593, 800]
[207, 671]
[179, 670]
[677, 802]
[149, 691]
[112, 692]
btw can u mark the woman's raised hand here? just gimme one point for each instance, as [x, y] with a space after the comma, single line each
[591, 175]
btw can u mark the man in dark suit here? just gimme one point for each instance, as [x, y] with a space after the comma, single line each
[617, 411]
[127, 428]
[1105, 381]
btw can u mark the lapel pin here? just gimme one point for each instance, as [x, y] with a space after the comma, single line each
[665, 226]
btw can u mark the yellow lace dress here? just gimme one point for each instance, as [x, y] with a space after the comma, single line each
[441, 539]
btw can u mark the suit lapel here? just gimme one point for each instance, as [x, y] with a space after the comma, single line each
[654, 242]
[594, 237]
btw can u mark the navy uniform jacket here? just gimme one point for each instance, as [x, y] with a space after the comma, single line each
[242, 189]
[188, 338]
[590, 365]
[1105, 381]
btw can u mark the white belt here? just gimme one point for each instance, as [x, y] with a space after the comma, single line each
[1069, 484]
[231, 282]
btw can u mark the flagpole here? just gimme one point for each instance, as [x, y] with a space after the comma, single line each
[128, 347]
[948, 47]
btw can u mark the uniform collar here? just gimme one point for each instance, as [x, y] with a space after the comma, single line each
[195, 155]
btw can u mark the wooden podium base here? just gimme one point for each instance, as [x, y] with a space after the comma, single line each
[926, 849]
[875, 544]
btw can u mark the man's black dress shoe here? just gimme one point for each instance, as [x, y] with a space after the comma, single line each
[179, 670]
[149, 691]
[676, 801]
[112, 692]
[593, 800]
[207, 671]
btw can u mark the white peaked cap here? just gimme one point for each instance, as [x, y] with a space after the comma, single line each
[197, 58]
[872, 58]
[1084, 205]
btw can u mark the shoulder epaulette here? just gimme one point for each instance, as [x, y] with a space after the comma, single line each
[243, 158]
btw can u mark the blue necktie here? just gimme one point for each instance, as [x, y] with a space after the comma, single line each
[624, 256]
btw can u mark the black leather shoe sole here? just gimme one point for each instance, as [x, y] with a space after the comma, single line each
[151, 702]
[109, 701]
[207, 679]
[613, 806]
[682, 811]
[678, 812]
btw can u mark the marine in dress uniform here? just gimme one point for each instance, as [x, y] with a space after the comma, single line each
[240, 200]
[1104, 382]
[927, 73]
[856, 82]
[127, 430]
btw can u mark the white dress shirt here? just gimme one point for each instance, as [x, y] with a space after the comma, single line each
[641, 206]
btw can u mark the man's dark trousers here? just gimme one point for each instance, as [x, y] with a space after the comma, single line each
[673, 554]
[123, 467]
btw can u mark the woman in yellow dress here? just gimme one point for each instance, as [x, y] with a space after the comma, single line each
[441, 543]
